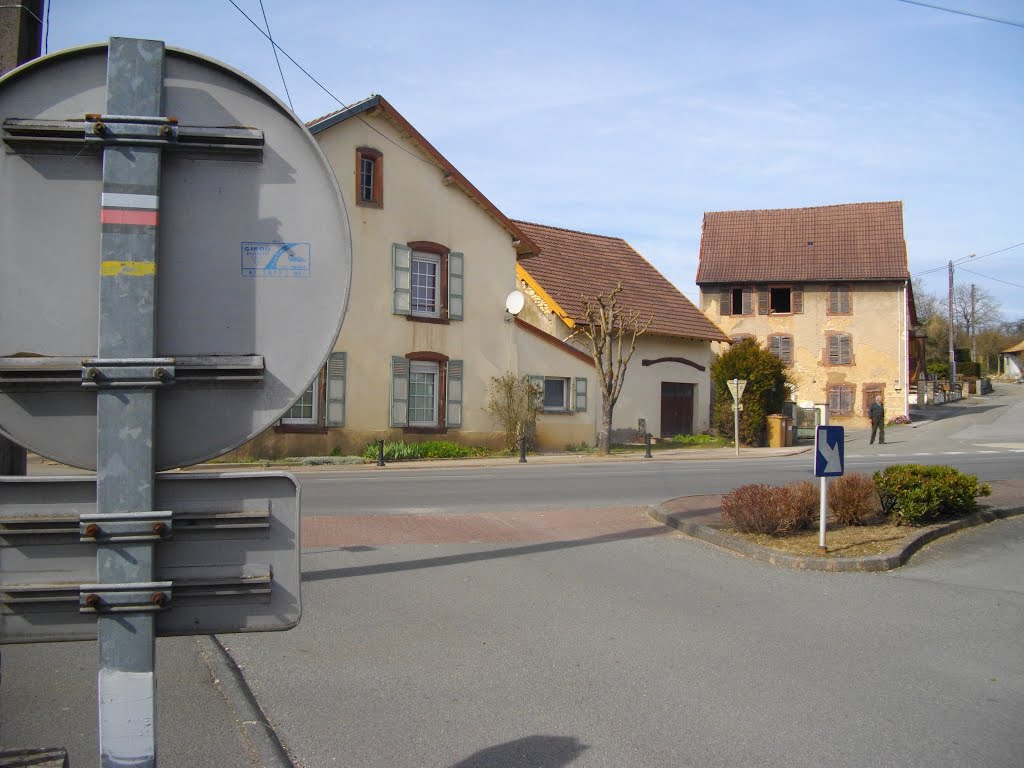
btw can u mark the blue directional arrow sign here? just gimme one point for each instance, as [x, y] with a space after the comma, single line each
[828, 451]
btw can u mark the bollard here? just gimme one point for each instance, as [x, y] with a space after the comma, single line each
[380, 453]
[647, 445]
[522, 449]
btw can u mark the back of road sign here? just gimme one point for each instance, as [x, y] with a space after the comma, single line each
[254, 258]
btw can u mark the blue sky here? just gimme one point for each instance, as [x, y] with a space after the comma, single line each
[634, 119]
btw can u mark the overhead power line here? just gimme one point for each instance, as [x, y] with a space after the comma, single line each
[989, 277]
[970, 257]
[276, 57]
[325, 89]
[964, 13]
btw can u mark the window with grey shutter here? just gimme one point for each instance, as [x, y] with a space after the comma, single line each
[456, 267]
[781, 347]
[762, 300]
[336, 389]
[748, 300]
[399, 392]
[453, 412]
[839, 349]
[725, 302]
[797, 299]
[401, 265]
[580, 395]
[839, 300]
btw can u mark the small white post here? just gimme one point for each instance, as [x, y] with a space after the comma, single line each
[821, 514]
[736, 414]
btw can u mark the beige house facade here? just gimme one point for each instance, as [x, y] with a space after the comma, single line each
[667, 382]
[426, 329]
[828, 290]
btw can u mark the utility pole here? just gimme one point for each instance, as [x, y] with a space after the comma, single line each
[21, 36]
[952, 333]
[974, 330]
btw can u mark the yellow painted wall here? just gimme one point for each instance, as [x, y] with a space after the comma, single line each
[876, 326]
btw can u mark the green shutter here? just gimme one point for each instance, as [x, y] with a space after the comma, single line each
[399, 392]
[456, 265]
[453, 411]
[581, 395]
[336, 390]
[401, 264]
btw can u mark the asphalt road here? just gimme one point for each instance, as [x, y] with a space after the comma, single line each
[648, 651]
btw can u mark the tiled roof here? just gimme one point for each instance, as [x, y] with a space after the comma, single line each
[1015, 348]
[860, 241]
[571, 265]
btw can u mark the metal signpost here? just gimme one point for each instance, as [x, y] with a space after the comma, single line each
[829, 453]
[736, 387]
[234, 220]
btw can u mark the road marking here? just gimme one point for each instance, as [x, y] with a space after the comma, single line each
[921, 454]
[954, 453]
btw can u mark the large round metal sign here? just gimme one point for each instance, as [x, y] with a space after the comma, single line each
[220, 289]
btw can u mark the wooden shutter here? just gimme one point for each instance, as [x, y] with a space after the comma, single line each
[846, 399]
[401, 265]
[782, 347]
[580, 398]
[453, 412]
[748, 301]
[796, 299]
[845, 353]
[725, 302]
[336, 389]
[456, 262]
[834, 400]
[763, 294]
[399, 392]
[833, 350]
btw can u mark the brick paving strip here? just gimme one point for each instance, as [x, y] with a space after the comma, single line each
[480, 527]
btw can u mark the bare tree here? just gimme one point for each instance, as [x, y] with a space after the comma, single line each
[611, 332]
[987, 312]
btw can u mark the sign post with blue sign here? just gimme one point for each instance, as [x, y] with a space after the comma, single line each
[829, 453]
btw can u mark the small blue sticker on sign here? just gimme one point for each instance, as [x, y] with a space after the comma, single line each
[275, 259]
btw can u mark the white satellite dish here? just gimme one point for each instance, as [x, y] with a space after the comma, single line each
[514, 303]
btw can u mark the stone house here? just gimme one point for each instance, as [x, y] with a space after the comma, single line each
[828, 290]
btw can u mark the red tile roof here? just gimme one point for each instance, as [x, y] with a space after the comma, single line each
[571, 265]
[859, 241]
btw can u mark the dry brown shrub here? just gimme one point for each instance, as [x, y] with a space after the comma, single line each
[853, 498]
[758, 508]
[804, 504]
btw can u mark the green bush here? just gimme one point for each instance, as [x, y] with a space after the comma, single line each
[941, 370]
[916, 494]
[852, 498]
[706, 440]
[428, 449]
[765, 392]
[769, 509]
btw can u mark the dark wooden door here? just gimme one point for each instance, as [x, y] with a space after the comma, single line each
[676, 408]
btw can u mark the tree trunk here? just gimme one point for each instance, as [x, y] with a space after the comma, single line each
[604, 434]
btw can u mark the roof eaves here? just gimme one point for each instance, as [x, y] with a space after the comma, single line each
[339, 116]
[526, 277]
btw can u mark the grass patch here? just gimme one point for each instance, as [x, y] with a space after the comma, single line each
[700, 441]
[426, 449]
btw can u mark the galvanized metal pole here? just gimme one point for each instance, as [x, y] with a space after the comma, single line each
[736, 414]
[125, 415]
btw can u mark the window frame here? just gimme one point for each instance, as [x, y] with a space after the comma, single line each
[376, 199]
[745, 293]
[834, 290]
[836, 338]
[421, 368]
[435, 260]
[312, 391]
[564, 406]
[788, 359]
[841, 391]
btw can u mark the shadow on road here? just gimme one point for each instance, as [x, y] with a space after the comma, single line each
[473, 557]
[531, 752]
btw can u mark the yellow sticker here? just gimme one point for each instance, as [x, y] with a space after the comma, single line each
[129, 268]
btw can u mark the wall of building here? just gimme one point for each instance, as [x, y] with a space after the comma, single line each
[878, 330]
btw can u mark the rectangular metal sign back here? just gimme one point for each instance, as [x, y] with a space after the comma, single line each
[227, 558]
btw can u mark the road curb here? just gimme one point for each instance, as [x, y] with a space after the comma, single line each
[867, 563]
[257, 728]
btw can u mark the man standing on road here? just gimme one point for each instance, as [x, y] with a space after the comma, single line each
[877, 415]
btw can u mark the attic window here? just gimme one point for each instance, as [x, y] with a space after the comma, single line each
[369, 178]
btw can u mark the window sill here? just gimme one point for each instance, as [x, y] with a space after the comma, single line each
[424, 319]
[301, 429]
[425, 430]
[369, 204]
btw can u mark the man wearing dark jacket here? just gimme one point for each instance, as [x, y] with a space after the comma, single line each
[877, 415]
